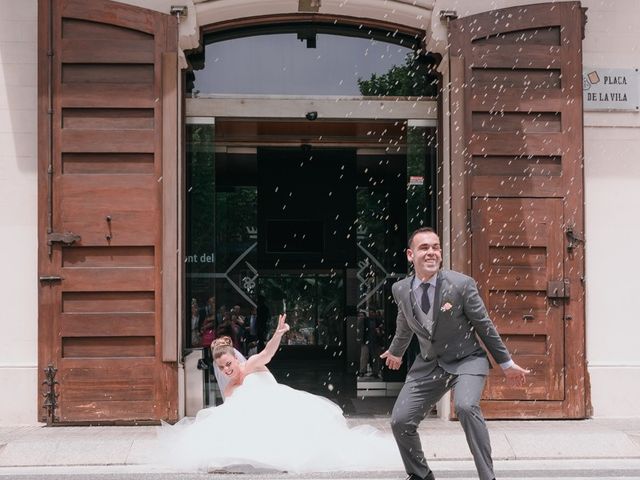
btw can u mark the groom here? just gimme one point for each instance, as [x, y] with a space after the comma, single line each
[444, 310]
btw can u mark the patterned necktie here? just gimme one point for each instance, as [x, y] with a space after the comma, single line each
[426, 303]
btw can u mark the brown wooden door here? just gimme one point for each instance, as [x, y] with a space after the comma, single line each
[517, 251]
[516, 104]
[100, 324]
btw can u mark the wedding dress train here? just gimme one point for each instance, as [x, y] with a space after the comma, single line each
[268, 425]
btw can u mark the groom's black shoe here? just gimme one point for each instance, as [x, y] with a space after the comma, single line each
[430, 476]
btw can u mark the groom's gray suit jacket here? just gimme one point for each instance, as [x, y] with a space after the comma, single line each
[458, 316]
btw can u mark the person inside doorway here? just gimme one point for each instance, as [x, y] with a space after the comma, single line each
[263, 318]
[195, 324]
[371, 334]
[443, 309]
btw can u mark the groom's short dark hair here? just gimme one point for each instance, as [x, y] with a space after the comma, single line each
[417, 231]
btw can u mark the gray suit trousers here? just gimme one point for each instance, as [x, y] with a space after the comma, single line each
[426, 384]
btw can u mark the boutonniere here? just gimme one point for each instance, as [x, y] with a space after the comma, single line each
[446, 307]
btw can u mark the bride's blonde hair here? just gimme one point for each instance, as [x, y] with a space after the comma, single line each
[222, 345]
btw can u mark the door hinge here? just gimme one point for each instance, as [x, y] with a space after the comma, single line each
[50, 278]
[67, 238]
[50, 395]
[573, 238]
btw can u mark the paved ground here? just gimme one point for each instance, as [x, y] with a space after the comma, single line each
[623, 469]
[565, 450]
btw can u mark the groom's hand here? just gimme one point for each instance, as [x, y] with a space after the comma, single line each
[392, 362]
[516, 374]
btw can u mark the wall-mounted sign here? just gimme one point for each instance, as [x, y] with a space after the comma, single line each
[610, 89]
[416, 180]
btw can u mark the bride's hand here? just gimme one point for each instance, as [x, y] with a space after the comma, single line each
[282, 327]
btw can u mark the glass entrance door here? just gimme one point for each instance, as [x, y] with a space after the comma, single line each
[316, 230]
[306, 241]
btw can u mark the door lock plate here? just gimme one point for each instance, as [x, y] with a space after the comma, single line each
[558, 289]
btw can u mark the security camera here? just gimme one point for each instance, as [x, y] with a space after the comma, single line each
[311, 116]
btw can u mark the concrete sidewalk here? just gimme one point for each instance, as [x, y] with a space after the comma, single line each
[38, 446]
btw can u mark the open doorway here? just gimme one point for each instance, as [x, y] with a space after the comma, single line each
[311, 219]
[311, 153]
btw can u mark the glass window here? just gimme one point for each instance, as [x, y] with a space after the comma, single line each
[308, 62]
[200, 255]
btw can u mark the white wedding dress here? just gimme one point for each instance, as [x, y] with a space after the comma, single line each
[267, 425]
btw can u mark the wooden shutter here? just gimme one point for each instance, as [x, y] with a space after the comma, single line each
[516, 104]
[111, 86]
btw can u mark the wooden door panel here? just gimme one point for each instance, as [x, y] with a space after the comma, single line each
[125, 141]
[81, 28]
[119, 279]
[534, 31]
[516, 122]
[126, 191]
[107, 198]
[118, 76]
[105, 257]
[108, 347]
[498, 79]
[538, 185]
[130, 228]
[130, 200]
[516, 144]
[502, 56]
[108, 118]
[124, 393]
[108, 51]
[106, 95]
[516, 114]
[120, 15]
[104, 412]
[518, 246]
[526, 308]
[107, 302]
[107, 156]
[522, 278]
[525, 168]
[107, 163]
[107, 324]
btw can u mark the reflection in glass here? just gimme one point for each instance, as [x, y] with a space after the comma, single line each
[411, 78]
[313, 304]
[332, 64]
[421, 173]
[200, 254]
[232, 293]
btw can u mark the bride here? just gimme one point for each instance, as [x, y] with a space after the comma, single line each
[263, 424]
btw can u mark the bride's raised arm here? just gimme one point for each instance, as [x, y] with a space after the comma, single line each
[261, 359]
